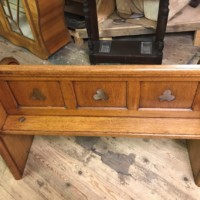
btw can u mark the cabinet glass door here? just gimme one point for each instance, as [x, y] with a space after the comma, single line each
[16, 16]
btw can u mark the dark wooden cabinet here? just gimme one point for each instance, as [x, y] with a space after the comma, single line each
[131, 51]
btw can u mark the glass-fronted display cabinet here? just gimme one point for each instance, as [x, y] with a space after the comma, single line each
[37, 25]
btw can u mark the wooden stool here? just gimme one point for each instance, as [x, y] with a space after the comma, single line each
[135, 51]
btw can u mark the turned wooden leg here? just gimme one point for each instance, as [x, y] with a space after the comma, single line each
[15, 149]
[194, 155]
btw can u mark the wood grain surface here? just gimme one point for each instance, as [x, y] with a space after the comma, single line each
[184, 93]
[133, 95]
[6, 97]
[104, 126]
[37, 94]
[79, 168]
[75, 171]
[115, 92]
[194, 151]
[197, 38]
[15, 151]
[46, 20]
[104, 71]
[3, 116]
[68, 94]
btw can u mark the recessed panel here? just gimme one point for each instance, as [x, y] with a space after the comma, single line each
[37, 93]
[100, 94]
[167, 94]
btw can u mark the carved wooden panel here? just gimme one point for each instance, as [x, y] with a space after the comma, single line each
[38, 93]
[167, 94]
[101, 94]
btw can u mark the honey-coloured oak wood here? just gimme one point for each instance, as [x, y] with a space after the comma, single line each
[37, 93]
[196, 105]
[135, 101]
[45, 22]
[194, 152]
[116, 72]
[68, 94]
[103, 126]
[133, 95]
[121, 83]
[197, 38]
[3, 116]
[7, 98]
[14, 149]
[108, 94]
[181, 94]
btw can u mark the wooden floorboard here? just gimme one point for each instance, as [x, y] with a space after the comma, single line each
[2, 168]
[178, 49]
[75, 168]
[104, 168]
[5, 194]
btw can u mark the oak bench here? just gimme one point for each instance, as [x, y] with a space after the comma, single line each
[156, 101]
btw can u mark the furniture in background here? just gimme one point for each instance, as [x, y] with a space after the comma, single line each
[149, 7]
[142, 51]
[186, 20]
[74, 7]
[37, 25]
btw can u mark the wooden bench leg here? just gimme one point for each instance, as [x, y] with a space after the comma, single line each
[197, 38]
[15, 150]
[194, 154]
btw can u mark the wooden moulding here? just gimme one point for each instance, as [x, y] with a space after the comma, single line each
[55, 72]
[16, 83]
[103, 126]
[3, 116]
